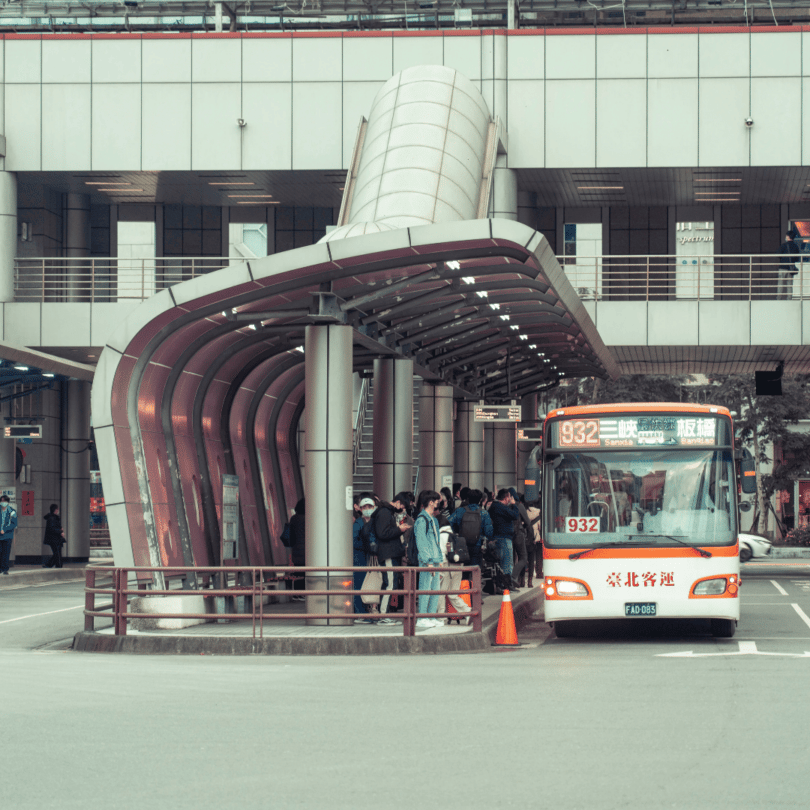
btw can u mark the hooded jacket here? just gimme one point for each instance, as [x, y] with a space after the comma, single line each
[389, 538]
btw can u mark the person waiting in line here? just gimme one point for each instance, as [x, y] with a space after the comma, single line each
[534, 547]
[8, 523]
[476, 529]
[54, 537]
[524, 534]
[446, 505]
[298, 546]
[366, 506]
[450, 580]
[504, 513]
[426, 535]
[390, 523]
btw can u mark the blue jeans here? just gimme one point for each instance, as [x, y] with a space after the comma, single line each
[428, 581]
[507, 554]
[5, 555]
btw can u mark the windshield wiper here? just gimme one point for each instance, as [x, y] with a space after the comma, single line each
[701, 551]
[582, 553]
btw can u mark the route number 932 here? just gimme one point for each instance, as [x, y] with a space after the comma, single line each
[583, 524]
[580, 433]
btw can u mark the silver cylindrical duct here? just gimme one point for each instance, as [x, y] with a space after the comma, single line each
[393, 427]
[76, 471]
[8, 234]
[77, 246]
[423, 154]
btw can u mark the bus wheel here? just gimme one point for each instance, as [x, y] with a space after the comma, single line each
[723, 628]
[745, 554]
[565, 629]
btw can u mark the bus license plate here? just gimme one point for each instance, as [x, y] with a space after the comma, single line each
[639, 608]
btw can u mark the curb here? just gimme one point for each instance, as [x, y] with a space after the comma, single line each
[523, 605]
[787, 553]
[35, 577]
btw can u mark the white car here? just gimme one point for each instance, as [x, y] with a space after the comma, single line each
[752, 545]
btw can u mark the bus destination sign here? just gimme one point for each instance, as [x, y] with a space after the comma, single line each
[497, 413]
[636, 431]
[530, 434]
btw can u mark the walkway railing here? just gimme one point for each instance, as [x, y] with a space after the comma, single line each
[723, 277]
[257, 585]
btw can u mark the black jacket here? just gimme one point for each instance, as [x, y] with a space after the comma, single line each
[789, 250]
[389, 537]
[298, 539]
[53, 529]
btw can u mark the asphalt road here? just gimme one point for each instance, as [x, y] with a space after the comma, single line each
[611, 720]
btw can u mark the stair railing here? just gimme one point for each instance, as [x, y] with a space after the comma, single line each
[359, 421]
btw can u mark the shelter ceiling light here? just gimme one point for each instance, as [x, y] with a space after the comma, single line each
[523, 337]
[119, 190]
[585, 188]
[48, 374]
[482, 293]
[468, 280]
[21, 368]
[264, 202]
[106, 183]
[216, 183]
[454, 265]
[718, 179]
[512, 326]
[494, 306]
[253, 196]
[532, 345]
[299, 349]
[714, 193]
[719, 199]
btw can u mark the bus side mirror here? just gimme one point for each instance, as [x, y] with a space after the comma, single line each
[748, 475]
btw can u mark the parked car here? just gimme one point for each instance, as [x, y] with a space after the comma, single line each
[752, 545]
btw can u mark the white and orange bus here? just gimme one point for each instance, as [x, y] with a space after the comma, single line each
[640, 515]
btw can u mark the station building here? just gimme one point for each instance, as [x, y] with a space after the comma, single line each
[634, 185]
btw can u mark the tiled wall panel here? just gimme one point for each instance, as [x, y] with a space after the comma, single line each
[672, 56]
[723, 138]
[23, 61]
[215, 133]
[526, 57]
[621, 120]
[317, 125]
[216, 60]
[317, 59]
[66, 61]
[267, 138]
[166, 60]
[410, 51]
[776, 54]
[166, 127]
[464, 54]
[777, 132]
[525, 126]
[116, 133]
[367, 59]
[723, 55]
[672, 122]
[571, 57]
[115, 61]
[23, 127]
[623, 56]
[66, 127]
[570, 123]
[356, 103]
[267, 60]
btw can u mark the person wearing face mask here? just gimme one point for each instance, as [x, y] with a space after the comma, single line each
[390, 523]
[366, 506]
[8, 523]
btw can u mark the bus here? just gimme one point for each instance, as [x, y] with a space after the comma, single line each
[641, 514]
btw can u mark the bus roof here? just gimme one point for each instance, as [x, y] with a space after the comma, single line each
[639, 407]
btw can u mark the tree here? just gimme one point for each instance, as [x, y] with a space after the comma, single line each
[766, 420]
[635, 388]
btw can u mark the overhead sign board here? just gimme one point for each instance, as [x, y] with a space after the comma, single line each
[497, 413]
[530, 434]
[22, 431]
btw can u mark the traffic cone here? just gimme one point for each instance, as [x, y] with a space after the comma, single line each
[506, 635]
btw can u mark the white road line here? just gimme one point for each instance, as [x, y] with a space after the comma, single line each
[802, 615]
[79, 607]
[779, 587]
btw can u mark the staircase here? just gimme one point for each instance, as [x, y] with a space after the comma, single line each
[364, 471]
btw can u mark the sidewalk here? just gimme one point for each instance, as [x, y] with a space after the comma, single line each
[291, 637]
[20, 575]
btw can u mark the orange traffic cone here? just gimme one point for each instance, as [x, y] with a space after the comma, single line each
[506, 635]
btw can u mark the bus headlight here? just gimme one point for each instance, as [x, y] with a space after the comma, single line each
[568, 588]
[710, 587]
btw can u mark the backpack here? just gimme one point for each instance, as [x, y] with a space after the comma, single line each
[459, 554]
[411, 549]
[368, 536]
[521, 535]
[286, 536]
[470, 528]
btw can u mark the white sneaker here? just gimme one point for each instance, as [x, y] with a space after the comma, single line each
[425, 623]
[437, 622]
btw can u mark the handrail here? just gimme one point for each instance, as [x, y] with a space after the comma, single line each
[626, 277]
[702, 277]
[260, 577]
[359, 422]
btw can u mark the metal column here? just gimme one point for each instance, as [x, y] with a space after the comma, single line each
[528, 405]
[435, 436]
[77, 246]
[393, 427]
[328, 471]
[76, 470]
[469, 447]
[8, 234]
[504, 190]
[504, 455]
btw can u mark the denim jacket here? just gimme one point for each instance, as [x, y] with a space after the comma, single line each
[427, 539]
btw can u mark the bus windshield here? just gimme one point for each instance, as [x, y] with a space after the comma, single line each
[640, 498]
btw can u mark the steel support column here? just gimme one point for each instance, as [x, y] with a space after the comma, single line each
[435, 435]
[393, 427]
[8, 233]
[328, 472]
[529, 405]
[469, 447]
[504, 455]
[76, 470]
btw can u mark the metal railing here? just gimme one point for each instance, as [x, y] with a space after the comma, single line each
[721, 277]
[724, 277]
[105, 280]
[359, 422]
[256, 585]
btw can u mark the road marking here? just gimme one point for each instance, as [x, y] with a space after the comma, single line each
[802, 615]
[745, 648]
[779, 587]
[801, 584]
[48, 613]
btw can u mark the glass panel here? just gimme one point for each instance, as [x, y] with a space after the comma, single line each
[659, 498]
[136, 259]
[694, 251]
[583, 263]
